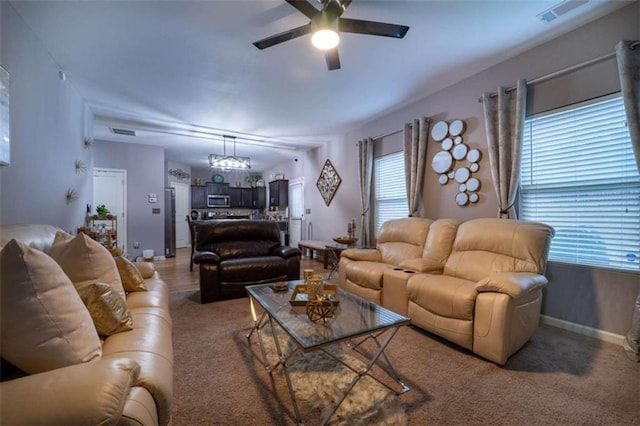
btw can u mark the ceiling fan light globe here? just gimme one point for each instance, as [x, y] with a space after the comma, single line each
[325, 39]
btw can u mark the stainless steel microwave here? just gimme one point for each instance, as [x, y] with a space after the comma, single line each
[218, 201]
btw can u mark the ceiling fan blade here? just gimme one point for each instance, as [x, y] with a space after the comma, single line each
[282, 37]
[304, 7]
[333, 59]
[346, 25]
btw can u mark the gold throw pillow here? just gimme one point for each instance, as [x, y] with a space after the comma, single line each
[131, 277]
[107, 308]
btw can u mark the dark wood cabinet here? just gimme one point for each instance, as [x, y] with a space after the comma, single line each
[259, 197]
[235, 197]
[243, 198]
[279, 193]
[198, 197]
[217, 188]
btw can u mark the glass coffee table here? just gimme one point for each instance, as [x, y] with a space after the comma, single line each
[356, 322]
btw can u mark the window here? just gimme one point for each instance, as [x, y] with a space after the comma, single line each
[390, 189]
[579, 175]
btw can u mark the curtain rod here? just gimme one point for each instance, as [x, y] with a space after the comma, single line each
[566, 70]
[388, 134]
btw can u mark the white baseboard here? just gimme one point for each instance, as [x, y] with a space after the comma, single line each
[605, 336]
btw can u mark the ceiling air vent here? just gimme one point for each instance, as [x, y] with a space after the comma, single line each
[124, 132]
[559, 9]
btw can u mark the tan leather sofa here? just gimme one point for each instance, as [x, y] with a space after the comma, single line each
[131, 383]
[486, 296]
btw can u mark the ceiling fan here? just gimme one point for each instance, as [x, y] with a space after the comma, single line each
[325, 25]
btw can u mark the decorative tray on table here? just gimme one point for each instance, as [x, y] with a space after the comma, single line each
[299, 295]
[345, 240]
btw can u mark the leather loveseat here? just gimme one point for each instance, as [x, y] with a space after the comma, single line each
[129, 378]
[232, 254]
[478, 284]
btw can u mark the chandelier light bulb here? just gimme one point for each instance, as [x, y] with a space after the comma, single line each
[325, 39]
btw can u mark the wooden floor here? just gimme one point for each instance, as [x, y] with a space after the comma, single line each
[175, 270]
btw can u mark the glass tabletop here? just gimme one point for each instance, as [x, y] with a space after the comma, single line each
[354, 316]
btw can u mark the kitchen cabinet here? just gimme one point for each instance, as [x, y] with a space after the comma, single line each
[217, 188]
[248, 198]
[235, 197]
[259, 197]
[279, 193]
[198, 197]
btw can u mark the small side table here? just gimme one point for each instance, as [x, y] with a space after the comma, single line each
[332, 256]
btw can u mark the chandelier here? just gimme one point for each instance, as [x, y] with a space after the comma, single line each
[225, 161]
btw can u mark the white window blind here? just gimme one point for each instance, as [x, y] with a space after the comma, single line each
[390, 189]
[579, 175]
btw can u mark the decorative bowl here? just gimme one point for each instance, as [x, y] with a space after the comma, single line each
[345, 240]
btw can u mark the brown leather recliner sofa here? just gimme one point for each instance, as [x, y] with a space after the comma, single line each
[235, 253]
[129, 380]
[478, 284]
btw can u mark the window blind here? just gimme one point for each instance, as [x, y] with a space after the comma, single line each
[390, 189]
[579, 175]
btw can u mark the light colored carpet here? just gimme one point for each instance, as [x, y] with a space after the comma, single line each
[558, 378]
[319, 380]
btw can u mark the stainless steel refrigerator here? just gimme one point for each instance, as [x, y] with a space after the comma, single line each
[169, 222]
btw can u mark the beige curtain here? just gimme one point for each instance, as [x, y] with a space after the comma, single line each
[415, 154]
[628, 55]
[365, 166]
[504, 122]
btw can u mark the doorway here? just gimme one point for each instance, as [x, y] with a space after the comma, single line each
[110, 189]
[296, 210]
[183, 238]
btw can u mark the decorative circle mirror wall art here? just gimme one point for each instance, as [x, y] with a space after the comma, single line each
[456, 161]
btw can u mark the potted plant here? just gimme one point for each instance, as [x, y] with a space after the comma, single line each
[102, 210]
[253, 178]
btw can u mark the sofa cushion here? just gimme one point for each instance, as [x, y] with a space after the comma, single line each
[156, 295]
[248, 269]
[150, 345]
[84, 259]
[107, 308]
[514, 246]
[366, 274]
[132, 279]
[402, 239]
[147, 269]
[44, 323]
[446, 296]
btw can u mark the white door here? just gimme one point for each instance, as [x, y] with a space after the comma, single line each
[296, 210]
[183, 238]
[110, 189]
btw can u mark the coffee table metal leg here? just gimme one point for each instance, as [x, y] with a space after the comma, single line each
[283, 360]
[392, 373]
[365, 372]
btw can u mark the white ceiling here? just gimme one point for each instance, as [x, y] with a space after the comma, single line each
[171, 70]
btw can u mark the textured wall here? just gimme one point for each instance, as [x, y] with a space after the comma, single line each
[48, 121]
[145, 167]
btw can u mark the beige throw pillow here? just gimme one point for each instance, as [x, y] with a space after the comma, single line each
[107, 308]
[131, 277]
[84, 259]
[44, 324]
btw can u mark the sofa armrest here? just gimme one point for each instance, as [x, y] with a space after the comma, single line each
[514, 284]
[287, 252]
[422, 265]
[89, 393]
[371, 255]
[147, 269]
[205, 257]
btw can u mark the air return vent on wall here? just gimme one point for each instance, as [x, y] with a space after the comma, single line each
[559, 9]
[124, 132]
